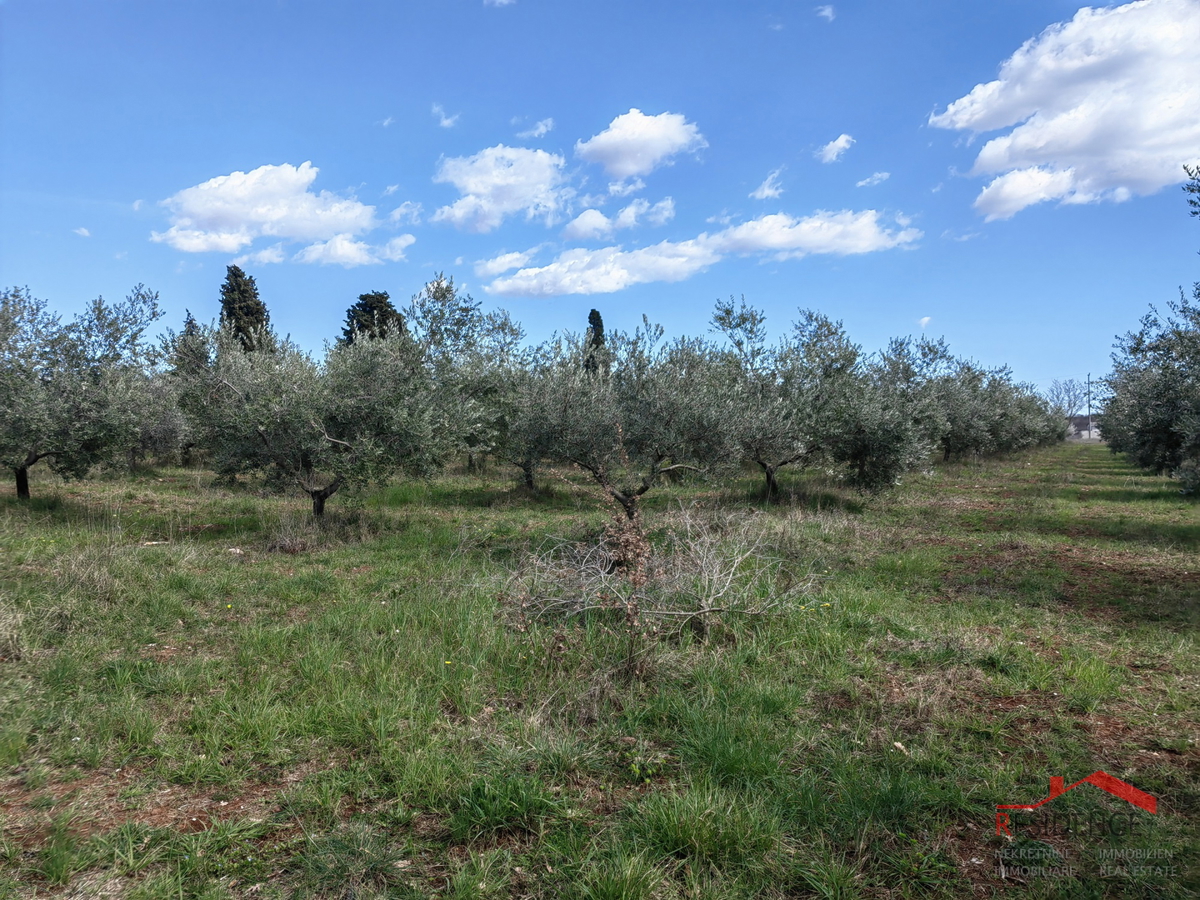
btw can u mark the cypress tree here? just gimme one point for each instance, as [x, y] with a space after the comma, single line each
[595, 340]
[241, 308]
[373, 316]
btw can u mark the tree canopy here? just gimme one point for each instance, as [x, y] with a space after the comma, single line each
[372, 316]
[242, 311]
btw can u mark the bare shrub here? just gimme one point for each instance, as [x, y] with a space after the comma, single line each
[706, 570]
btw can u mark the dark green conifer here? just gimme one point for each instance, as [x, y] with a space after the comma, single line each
[242, 310]
[594, 341]
[373, 316]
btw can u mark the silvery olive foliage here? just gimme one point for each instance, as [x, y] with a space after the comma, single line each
[626, 408]
[73, 394]
[636, 409]
[812, 399]
[365, 411]
[1152, 411]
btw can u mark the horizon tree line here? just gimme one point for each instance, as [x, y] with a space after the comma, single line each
[403, 391]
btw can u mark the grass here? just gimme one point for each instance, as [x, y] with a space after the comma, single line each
[361, 709]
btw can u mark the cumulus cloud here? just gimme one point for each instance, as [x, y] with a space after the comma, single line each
[923, 321]
[636, 144]
[499, 2]
[502, 181]
[1102, 107]
[266, 256]
[393, 250]
[833, 151]
[505, 262]
[137, 204]
[229, 212]
[826, 13]
[439, 113]
[541, 129]
[390, 189]
[340, 250]
[82, 232]
[591, 223]
[770, 188]
[872, 180]
[407, 213]
[609, 269]
[625, 188]
[839, 233]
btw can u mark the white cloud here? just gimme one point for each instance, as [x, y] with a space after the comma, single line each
[833, 151]
[407, 213]
[826, 13]
[839, 233]
[499, 3]
[625, 188]
[341, 250]
[505, 262]
[1012, 192]
[393, 250]
[266, 256]
[501, 181]
[659, 214]
[872, 180]
[591, 223]
[137, 204]
[542, 128]
[770, 188]
[635, 144]
[229, 212]
[388, 121]
[82, 232]
[439, 113]
[609, 269]
[923, 321]
[1102, 107]
[390, 189]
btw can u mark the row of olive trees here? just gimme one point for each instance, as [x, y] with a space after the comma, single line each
[639, 407]
[74, 393]
[1152, 411]
[405, 391]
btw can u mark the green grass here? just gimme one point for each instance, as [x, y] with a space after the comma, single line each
[361, 708]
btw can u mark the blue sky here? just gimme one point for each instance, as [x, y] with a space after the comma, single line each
[1004, 174]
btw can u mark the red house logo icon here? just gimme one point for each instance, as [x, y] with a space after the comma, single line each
[1102, 780]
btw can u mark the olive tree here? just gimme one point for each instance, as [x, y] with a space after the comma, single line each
[795, 401]
[361, 414]
[645, 409]
[1152, 412]
[71, 393]
[470, 356]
